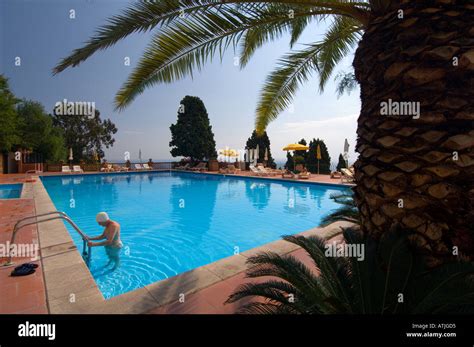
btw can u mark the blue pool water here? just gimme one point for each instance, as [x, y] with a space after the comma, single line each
[10, 191]
[174, 222]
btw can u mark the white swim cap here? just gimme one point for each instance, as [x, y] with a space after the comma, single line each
[102, 217]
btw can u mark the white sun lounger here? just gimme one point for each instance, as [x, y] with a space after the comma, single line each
[347, 176]
[138, 167]
[256, 171]
[66, 169]
[264, 171]
[77, 169]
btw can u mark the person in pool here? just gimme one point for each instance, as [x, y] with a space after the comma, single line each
[111, 234]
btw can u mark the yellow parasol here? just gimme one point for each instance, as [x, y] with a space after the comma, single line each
[295, 147]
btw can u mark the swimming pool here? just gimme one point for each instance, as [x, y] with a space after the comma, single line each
[10, 191]
[172, 222]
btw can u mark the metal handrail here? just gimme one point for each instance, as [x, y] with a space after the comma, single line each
[60, 215]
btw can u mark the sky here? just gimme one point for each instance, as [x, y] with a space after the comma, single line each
[42, 32]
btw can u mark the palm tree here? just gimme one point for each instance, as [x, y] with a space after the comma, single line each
[390, 279]
[414, 171]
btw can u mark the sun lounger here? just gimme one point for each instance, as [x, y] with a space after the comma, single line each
[347, 176]
[230, 169]
[138, 167]
[66, 169]
[200, 167]
[265, 171]
[256, 171]
[304, 175]
[107, 168]
[77, 169]
[182, 167]
[289, 174]
[336, 174]
[146, 166]
[119, 168]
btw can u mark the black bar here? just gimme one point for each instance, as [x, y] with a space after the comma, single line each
[92, 330]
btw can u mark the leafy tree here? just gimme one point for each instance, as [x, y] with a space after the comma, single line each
[298, 157]
[289, 162]
[86, 135]
[302, 153]
[292, 161]
[9, 121]
[263, 142]
[346, 83]
[341, 163]
[192, 134]
[38, 132]
[312, 161]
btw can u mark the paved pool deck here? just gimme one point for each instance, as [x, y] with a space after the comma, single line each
[63, 283]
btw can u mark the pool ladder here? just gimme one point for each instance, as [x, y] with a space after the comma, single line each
[86, 250]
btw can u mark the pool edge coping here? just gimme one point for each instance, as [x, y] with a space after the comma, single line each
[70, 288]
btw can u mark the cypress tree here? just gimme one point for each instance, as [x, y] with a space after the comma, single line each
[192, 134]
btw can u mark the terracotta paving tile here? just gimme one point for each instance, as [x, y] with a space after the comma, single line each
[35, 310]
[23, 303]
[193, 304]
[212, 298]
[25, 294]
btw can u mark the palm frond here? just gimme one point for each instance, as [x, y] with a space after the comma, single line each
[346, 83]
[330, 267]
[351, 285]
[347, 212]
[272, 291]
[296, 68]
[446, 287]
[139, 17]
[143, 16]
[257, 35]
[185, 46]
[339, 39]
[280, 86]
[264, 308]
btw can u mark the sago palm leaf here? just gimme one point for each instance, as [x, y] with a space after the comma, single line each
[347, 212]
[391, 279]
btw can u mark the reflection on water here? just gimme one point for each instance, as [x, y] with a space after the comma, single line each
[258, 193]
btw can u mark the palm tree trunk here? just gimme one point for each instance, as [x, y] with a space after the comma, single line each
[418, 172]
